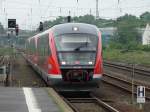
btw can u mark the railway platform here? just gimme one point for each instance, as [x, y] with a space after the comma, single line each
[31, 100]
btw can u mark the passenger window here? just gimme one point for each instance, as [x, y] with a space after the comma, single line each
[43, 46]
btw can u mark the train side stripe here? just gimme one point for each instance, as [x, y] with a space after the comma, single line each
[59, 76]
[97, 76]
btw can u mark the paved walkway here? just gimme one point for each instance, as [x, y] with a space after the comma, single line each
[26, 100]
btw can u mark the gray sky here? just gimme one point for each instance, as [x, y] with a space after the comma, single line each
[29, 12]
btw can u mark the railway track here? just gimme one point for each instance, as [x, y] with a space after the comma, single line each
[1, 60]
[85, 102]
[124, 80]
[129, 68]
[28, 77]
[123, 84]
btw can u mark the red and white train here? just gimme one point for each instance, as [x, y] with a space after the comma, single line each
[67, 56]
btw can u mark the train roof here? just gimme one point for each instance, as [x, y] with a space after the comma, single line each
[74, 28]
[70, 28]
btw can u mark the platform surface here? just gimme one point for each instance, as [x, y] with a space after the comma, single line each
[26, 100]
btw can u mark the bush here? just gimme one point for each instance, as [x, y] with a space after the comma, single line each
[115, 45]
[146, 48]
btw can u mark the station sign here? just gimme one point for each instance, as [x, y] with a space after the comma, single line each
[140, 94]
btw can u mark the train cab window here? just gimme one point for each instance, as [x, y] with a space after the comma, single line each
[76, 48]
[79, 42]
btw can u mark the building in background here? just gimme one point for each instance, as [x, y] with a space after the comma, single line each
[146, 35]
[107, 34]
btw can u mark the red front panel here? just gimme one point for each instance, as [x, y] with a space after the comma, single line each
[98, 69]
[53, 61]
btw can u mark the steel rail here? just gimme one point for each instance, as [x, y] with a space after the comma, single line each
[136, 83]
[128, 68]
[121, 87]
[90, 99]
[1, 60]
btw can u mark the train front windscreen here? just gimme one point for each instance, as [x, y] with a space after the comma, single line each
[76, 49]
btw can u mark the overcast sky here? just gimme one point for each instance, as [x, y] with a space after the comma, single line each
[29, 12]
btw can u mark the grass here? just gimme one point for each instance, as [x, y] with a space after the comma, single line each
[137, 57]
[6, 51]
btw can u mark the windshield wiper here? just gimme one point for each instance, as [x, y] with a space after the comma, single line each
[81, 46]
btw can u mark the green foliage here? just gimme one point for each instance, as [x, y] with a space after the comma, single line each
[48, 24]
[90, 19]
[144, 48]
[145, 17]
[136, 56]
[126, 36]
[83, 19]
[6, 51]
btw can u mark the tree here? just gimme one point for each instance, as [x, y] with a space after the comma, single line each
[145, 16]
[144, 19]
[86, 19]
[48, 24]
[127, 34]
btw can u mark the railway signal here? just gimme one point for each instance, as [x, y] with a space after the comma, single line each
[17, 29]
[68, 19]
[11, 23]
[41, 26]
[13, 27]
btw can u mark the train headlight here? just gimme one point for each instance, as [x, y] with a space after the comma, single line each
[63, 63]
[75, 28]
[90, 62]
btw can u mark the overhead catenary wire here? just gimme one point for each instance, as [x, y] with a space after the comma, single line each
[92, 8]
[60, 10]
[85, 8]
